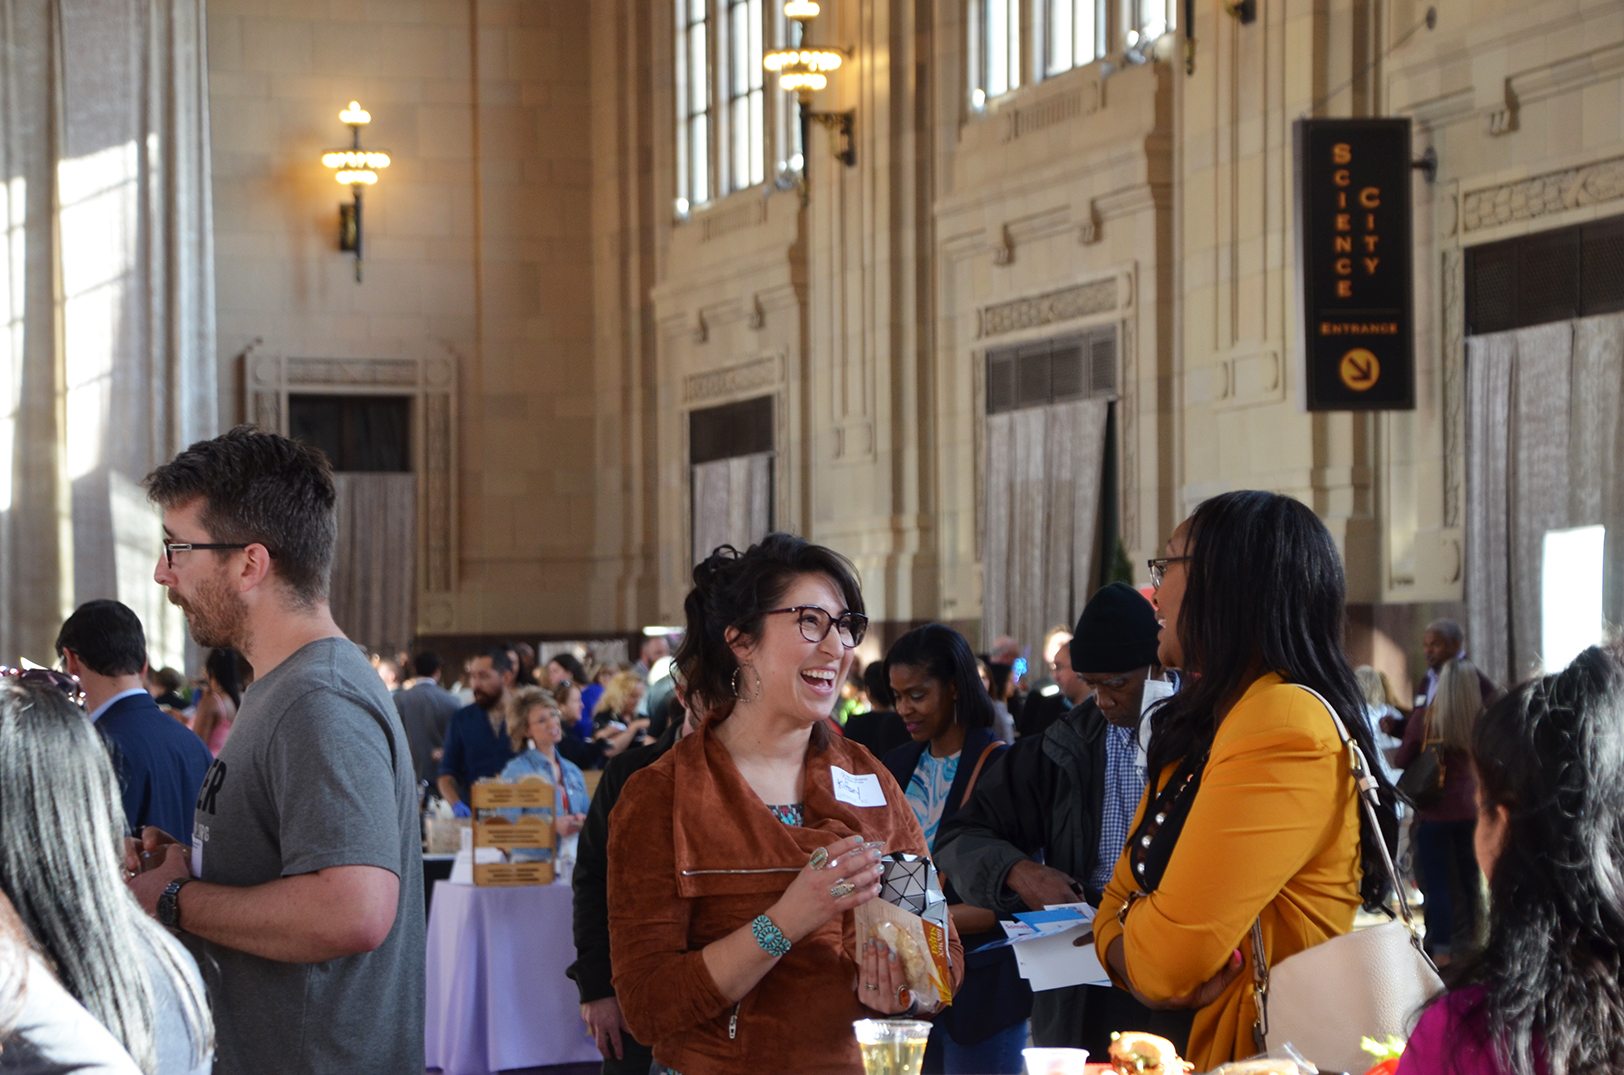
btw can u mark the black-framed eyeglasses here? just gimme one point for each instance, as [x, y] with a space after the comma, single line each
[814, 624]
[48, 677]
[172, 547]
[1158, 568]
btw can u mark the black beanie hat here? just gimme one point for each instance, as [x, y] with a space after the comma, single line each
[1116, 632]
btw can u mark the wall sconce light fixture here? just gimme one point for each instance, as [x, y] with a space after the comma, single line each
[803, 71]
[357, 169]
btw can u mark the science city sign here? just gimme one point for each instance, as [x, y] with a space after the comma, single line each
[1354, 265]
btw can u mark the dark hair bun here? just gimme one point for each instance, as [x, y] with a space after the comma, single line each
[733, 590]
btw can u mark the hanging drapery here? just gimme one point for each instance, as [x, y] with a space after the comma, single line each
[1044, 469]
[1545, 433]
[374, 586]
[107, 363]
[732, 502]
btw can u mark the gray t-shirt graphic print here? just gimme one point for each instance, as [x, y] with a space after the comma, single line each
[316, 774]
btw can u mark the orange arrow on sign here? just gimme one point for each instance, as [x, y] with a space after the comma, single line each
[1360, 370]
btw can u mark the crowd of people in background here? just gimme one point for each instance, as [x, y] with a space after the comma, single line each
[226, 874]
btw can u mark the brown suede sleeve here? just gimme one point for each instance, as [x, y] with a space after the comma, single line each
[663, 988]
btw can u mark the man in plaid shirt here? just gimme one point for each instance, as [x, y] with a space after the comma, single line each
[1049, 819]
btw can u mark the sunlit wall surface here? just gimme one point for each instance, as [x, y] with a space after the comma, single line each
[106, 355]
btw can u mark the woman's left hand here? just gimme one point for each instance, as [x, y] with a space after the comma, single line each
[881, 982]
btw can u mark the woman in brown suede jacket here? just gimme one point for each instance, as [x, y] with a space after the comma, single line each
[735, 859]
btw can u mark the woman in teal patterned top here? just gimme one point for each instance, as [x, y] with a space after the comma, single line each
[938, 692]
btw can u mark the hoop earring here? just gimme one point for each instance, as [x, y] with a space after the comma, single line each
[735, 683]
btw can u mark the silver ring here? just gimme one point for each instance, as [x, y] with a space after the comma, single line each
[841, 889]
[871, 985]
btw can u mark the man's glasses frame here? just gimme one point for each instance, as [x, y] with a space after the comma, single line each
[851, 626]
[1158, 568]
[172, 547]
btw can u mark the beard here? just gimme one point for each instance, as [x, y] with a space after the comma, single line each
[214, 614]
[486, 701]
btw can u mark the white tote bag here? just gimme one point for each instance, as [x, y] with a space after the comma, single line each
[1371, 983]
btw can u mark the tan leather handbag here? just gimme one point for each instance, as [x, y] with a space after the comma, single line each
[1370, 983]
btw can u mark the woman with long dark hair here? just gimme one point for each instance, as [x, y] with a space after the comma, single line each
[1546, 995]
[61, 865]
[735, 859]
[43, 1031]
[1251, 815]
[936, 684]
[217, 705]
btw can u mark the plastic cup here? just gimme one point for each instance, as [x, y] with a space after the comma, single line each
[892, 1046]
[1055, 1061]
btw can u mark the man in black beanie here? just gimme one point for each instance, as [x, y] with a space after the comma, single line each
[1070, 794]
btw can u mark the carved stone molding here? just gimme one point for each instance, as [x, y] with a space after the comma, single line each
[1541, 195]
[431, 382]
[1563, 76]
[726, 220]
[1036, 116]
[1128, 420]
[353, 372]
[765, 372]
[1454, 388]
[1094, 297]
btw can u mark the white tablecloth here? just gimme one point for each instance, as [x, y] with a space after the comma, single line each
[497, 994]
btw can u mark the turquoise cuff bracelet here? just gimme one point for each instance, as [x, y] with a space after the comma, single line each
[769, 937]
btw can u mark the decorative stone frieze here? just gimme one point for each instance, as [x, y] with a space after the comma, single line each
[1540, 195]
[1094, 297]
[765, 372]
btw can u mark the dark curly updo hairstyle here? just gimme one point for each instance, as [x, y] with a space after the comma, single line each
[734, 589]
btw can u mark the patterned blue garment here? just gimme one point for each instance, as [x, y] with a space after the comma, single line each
[1124, 787]
[928, 789]
[789, 813]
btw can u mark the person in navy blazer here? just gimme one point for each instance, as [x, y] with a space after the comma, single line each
[160, 762]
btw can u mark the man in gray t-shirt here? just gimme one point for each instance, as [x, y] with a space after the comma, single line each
[302, 892]
[315, 744]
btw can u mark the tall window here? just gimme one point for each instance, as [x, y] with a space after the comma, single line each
[1146, 20]
[726, 141]
[693, 104]
[995, 49]
[1074, 34]
[746, 134]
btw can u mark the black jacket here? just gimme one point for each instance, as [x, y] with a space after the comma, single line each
[1045, 794]
[993, 995]
[591, 971]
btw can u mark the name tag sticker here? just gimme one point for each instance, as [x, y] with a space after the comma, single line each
[858, 789]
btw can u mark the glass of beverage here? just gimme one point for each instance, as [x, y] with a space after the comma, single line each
[892, 1046]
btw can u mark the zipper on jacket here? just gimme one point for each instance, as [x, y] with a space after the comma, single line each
[771, 869]
[733, 1023]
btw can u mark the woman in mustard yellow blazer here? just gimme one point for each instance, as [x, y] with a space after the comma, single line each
[1252, 815]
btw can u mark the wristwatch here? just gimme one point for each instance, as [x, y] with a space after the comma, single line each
[169, 905]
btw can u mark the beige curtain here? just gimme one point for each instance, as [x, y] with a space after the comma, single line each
[732, 502]
[107, 350]
[374, 583]
[1044, 468]
[1545, 443]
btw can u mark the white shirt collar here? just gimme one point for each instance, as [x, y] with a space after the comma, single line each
[121, 695]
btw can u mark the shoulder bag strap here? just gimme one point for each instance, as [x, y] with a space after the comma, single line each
[976, 772]
[1370, 795]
